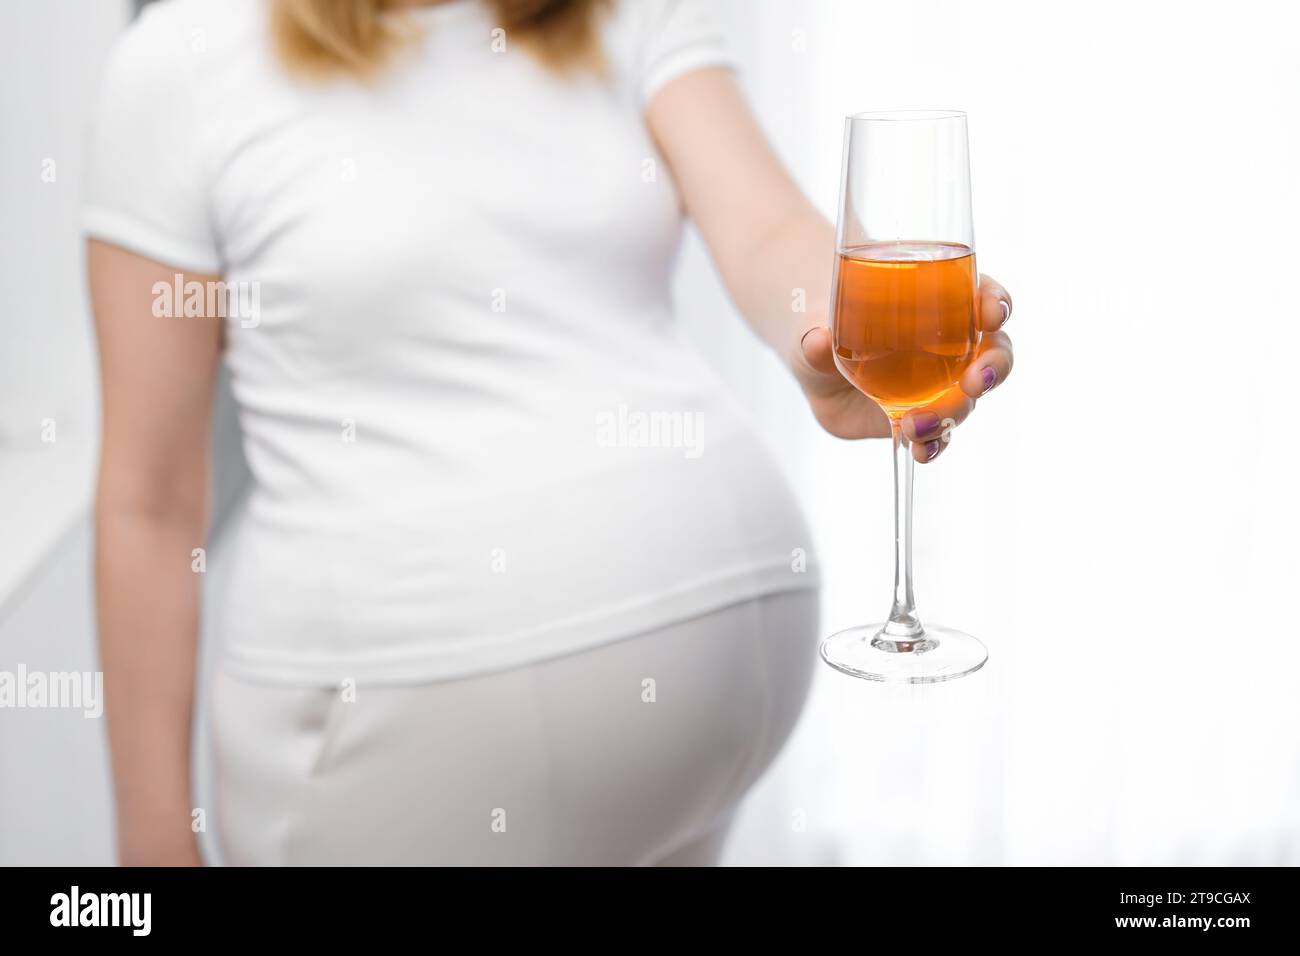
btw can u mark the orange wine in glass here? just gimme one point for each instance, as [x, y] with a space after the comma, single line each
[904, 330]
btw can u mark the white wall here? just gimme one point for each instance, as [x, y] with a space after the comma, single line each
[53, 773]
[52, 53]
[55, 802]
[1117, 523]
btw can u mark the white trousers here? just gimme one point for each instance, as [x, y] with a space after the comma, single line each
[633, 753]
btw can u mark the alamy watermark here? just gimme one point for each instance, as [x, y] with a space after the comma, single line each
[180, 299]
[53, 690]
[629, 428]
[133, 911]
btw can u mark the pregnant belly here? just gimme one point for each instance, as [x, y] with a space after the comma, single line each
[543, 563]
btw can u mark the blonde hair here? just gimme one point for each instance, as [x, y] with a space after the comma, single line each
[323, 37]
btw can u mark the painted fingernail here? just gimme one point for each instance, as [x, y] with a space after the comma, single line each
[924, 423]
[805, 336]
[932, 449]
[989, 376]
[1006, 310]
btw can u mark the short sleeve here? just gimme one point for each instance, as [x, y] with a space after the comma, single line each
[145, 187]
[682, 36]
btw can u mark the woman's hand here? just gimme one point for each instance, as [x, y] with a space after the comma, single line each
[846, 413]
[153, 848]
[767, 251]
[158, 377]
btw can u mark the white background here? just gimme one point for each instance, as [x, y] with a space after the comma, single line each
[1117, 523]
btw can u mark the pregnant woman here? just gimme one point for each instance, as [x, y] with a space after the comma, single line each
[514, 582]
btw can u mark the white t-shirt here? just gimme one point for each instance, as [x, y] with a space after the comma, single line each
[476, 437]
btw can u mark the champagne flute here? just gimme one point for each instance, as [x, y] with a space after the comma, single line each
[904, 329]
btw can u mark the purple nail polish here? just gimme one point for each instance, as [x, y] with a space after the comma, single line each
[924, 423]
[989, 377]
[1006, 310]
[931, 449]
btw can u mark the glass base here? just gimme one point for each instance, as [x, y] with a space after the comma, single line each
[939, 654]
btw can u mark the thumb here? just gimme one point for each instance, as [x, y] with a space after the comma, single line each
[815, 351]
[814, 363]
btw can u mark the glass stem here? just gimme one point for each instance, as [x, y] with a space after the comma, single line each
[903, 626]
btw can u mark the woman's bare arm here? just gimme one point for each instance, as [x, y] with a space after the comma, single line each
[768, 241]
[157, 380]
[766, 238]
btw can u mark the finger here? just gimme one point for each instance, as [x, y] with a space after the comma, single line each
[927, 451]
[937, 419]
[814, 365]
[991, 366]
[994, 305]
[815, 347]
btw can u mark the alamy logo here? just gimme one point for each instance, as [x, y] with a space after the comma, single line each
[68, 690]
[208, 300]
[102, 909]
[624, 428]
